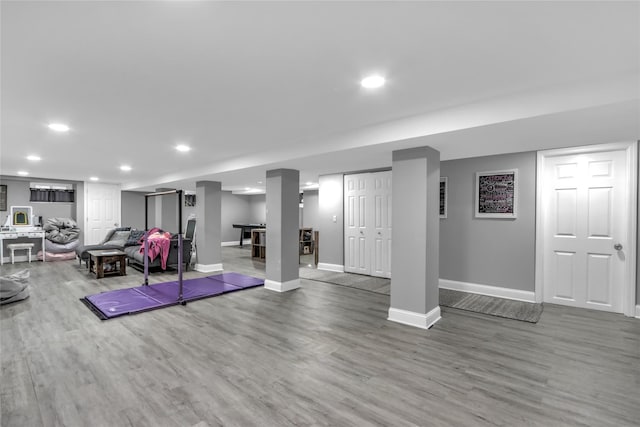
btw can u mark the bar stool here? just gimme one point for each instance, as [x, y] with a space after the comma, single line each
[18, 246]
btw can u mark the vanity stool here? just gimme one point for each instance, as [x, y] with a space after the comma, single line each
[18, 246]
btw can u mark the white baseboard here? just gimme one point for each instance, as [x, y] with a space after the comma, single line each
[331, 267]
[492, 291]
[272, 285]
[246, 242]
[19, 258]
[208, 268]
[419, 320]
[637, 311]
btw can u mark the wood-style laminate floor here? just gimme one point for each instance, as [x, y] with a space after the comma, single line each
[321, 355]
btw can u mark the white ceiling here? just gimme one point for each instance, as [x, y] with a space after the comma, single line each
[253, 86]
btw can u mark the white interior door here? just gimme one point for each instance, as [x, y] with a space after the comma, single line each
[368, 224]
[381, 248]
[356, 213]
[102, 211]
[586, 220]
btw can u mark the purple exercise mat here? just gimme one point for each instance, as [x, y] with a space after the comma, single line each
[203, 287]
[237, 279]
[123, 301]
[142, 298]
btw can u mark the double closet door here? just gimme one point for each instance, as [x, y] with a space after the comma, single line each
[367, 226]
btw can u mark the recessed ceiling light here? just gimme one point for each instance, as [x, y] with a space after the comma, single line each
[372, 82]
[33, 158]
[94, 178]
[259, 182]
[125, 168]
[23, 173]
[183, 148]
[59, 127]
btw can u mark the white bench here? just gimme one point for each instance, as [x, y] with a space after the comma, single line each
[18, 246]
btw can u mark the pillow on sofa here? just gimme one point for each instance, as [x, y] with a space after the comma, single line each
[110, 234]
[134, 238]
[118, 238]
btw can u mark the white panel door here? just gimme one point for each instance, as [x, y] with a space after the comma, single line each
[356, 222]
[368, 224]
[381, 248]
[585, 226]
[102, 211]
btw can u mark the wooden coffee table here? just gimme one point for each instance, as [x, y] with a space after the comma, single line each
[100, 258]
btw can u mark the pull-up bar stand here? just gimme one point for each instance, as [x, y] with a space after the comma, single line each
[146, 238]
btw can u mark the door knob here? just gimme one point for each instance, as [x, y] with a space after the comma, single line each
[361, 232]
[617, 246]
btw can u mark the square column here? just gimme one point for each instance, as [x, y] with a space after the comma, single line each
[282, 258]
[415, 250]
[208, 226]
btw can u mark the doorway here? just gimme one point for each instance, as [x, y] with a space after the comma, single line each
[367, 225]
[586, 227]
[102, 211]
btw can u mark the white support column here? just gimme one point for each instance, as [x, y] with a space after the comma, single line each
[416, 237]
[282, 230]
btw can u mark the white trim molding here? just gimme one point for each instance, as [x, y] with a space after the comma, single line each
[245, 242]
[331, 267]
[20, 258]
[272, 285]
[208, 268]
[492, 291]
[418, 320]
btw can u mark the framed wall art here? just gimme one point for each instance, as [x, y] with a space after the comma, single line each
[497, 194]
[189, 200]
[444, 188]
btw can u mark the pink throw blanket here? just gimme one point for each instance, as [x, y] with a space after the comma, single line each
[159, 244]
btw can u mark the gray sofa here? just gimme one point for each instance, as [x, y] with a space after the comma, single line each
[129, 241]
[136, 258]
[115, 239]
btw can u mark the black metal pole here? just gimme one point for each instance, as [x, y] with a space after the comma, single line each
[180, 247]
[145, 240]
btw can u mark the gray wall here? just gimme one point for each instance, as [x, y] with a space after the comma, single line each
[132, 214]
[257, 209]
[18, 194]
[169, 212]
[331, 234]
[310, 213]
[235, 210]
[187, 211]
[495, 252]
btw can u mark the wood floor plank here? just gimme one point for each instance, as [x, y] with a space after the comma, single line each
[322, 355]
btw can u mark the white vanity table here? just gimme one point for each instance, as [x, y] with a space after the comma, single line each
[20, 226]
[21, 233]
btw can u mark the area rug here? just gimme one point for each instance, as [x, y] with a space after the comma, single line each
[500, 307]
